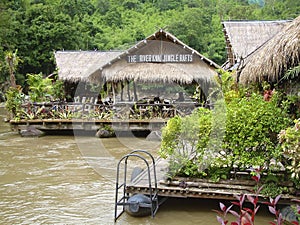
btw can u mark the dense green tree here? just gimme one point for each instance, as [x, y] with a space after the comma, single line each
[203, 32]
[275, 9]
[131, 4]
[10, 38]
[4, 24]
[39, 27]
[46, 31]
[164, 5]
[102, 6]
[78, 8]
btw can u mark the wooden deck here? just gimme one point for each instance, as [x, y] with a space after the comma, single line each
[89, 125]
[194, 188]
[87, 116]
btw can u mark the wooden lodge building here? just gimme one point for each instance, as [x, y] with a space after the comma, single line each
[160, 59]
[275, 57]
[263, 51]
[127, 89]
[243, 38]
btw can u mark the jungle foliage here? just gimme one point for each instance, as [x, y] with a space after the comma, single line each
[44, 89]
[36, 28]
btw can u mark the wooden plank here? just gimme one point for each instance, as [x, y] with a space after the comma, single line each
[207, 185]
[131, 121]
[194, 188]
[89, 125]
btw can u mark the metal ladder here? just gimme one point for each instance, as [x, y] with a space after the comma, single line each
[123, 201]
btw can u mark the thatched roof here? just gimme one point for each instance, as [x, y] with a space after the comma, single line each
[78, 65]
[161, 73]
[275, 57]
[113, 66]
[244, 37]
[160, 43]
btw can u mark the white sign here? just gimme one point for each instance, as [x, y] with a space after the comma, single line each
[169, 58]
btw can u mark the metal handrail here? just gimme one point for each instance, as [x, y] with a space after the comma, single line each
[124, 199]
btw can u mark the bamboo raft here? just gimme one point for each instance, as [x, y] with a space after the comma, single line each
[47, 125]
[182, 187]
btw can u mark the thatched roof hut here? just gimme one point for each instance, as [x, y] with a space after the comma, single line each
[74, 66]
[161, 58]
[275, 57]
[244, 37]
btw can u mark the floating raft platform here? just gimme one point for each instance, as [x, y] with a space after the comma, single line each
[52, 125]
[182, 187]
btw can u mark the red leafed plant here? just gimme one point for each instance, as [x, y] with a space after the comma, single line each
[272, 208]
[244, 215]
[279, 219]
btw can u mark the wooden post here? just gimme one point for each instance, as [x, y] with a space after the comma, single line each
[128, 91]
[113, 91]
[134, 91]
[122, 86]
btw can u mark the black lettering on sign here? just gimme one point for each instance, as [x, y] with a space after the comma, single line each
[165, 58]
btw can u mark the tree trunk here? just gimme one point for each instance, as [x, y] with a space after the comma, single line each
[12, 61]
[12, 74]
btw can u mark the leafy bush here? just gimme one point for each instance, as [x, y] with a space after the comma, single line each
[250, 137]
[14, 99]
[187, 134]
[185, 139]
[290, 143]
[43, 89]
[251, 130]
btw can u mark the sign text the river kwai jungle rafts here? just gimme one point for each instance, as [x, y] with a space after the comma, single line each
[163, 58]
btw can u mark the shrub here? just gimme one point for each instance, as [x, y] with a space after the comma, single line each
[14, 98]
[187, 134]
[251, 130]
[290, 144]
[185, 140]
[250, 139]
[41, 89]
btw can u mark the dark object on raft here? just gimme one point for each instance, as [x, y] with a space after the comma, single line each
[138, 205]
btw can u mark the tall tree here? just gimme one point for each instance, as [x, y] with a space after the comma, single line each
[12, 61]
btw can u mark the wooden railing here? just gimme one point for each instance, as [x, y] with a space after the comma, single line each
[121, 110]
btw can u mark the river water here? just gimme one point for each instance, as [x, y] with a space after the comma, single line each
[71, 180]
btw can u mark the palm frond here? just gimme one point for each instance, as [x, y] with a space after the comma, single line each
[292, 73]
